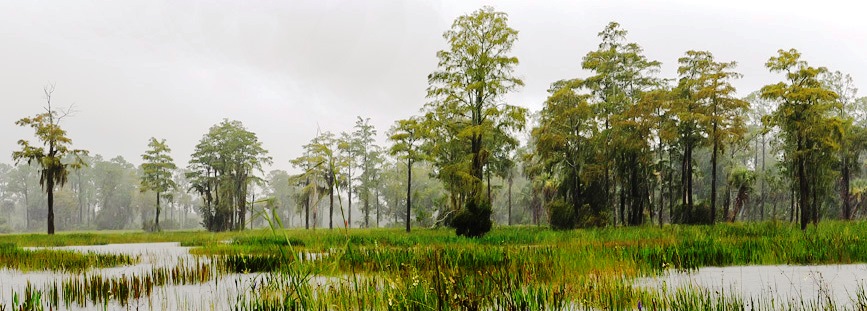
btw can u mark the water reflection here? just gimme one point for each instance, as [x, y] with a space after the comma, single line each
[786, 284]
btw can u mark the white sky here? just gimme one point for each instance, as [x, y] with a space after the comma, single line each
[171, 69]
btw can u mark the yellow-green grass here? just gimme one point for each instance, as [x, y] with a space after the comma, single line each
[514, 268]
[14, 257]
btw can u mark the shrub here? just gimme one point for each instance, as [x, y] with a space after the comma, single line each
[562, 215]
[474, 220]
[700, 214]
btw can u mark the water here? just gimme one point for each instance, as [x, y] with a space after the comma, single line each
[217, 294]
[782, 284]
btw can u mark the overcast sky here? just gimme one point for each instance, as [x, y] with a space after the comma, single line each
[172, 69]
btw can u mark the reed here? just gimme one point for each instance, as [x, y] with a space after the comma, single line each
[14, 257]
[518, 268]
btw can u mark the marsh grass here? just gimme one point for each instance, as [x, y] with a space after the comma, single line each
[518, 268]
[14, 257]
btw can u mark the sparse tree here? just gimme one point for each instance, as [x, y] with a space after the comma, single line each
[406, 135]
[55, 147]
[157, 172]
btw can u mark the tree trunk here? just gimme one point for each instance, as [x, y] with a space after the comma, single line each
[331, 201]
[366, 207]
[50, 189]
[727, 202]
[157, 217]
[510, 199]
[792, 204]
[803, 186]
[671, 188]
[633, 195]
[844, 189]
[349, 198]
[307, 205]
[242, 202]
[762, 196]
[80, 200]
[378, 207]
[26, 205]
[408, 192]
[814, 207]
[686, 180]
[252, 207]
[713, 175]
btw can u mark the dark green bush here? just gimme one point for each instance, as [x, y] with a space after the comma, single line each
[699, 215]
[562, 215]
[474, 220]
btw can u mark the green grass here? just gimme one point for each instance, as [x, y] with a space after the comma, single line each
[14, 257]
[517, 268]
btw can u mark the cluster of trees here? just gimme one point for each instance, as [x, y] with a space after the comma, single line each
[621, 146]
[105, 194]
[624, 146]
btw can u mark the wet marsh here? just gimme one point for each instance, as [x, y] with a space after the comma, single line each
[525, 268]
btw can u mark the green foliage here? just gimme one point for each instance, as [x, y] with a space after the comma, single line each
[115, 193]
[369, 162]
[322, 171]
[562, 215]
[564, 148]
[621, 79]
[705, 105]
[741, 177]
[157, 170]
[698, 214]
[474, 220]
[808, 129]
[221, 169]
[53, 170]
[468, 122]
[406, 136]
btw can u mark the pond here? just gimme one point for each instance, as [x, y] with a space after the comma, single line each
[218, 293]
[782, 284]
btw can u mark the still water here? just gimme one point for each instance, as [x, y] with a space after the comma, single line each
[783, 284]
[217, 294]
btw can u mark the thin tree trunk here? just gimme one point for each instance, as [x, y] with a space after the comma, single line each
[713, 175]
[50, 189]
[80, 200]
[366, 206]
[157, 217]
[408, 192]
[26, 205]
[671, 188]
[762, 197]
[792, 204]
[510, 199]
[803, 185]
[377, 207]
[331, 201]
[844, 189]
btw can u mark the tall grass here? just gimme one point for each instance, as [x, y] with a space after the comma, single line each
[17, 258]
[520, 268]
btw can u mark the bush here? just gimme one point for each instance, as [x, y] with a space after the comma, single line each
[474, 220]
[700, 214]
[562, 215]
